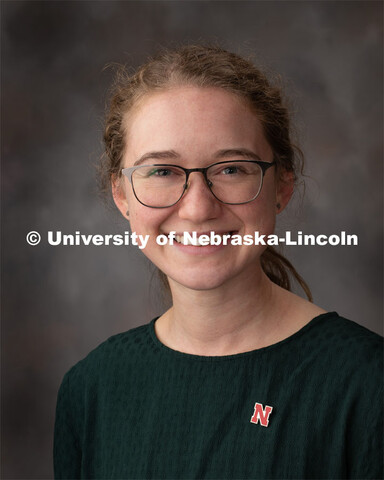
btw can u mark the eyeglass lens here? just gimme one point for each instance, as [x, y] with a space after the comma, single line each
[162, 186]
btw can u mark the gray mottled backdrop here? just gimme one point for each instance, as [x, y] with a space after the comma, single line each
[60, 302]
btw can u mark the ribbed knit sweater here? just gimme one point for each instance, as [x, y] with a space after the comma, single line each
[310, 406]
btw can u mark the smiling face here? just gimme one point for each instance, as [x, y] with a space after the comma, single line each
[196, 127]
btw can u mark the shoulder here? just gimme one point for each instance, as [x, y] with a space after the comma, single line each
[345, 335]
[111, 367]
[337, 365]
[344, 349]
[351, 385]
[119, 351]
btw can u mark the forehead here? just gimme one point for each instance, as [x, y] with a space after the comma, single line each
[195, 122]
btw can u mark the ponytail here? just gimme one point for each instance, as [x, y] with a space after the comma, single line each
[278, 269]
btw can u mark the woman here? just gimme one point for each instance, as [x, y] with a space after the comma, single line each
[240, 378]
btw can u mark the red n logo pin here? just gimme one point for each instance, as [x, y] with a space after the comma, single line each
[261, 414]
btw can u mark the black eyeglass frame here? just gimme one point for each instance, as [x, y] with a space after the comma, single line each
[128, 172]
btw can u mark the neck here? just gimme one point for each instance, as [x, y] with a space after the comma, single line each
[227, 320]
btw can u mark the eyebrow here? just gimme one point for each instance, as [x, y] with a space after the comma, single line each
[220, 154]
[236, 152]
[163, 155]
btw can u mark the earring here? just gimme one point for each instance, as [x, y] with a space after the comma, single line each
[127, 213]
[278, 206]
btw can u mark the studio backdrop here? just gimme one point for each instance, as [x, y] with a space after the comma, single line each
[59, 302]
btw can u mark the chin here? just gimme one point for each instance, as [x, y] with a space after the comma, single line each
[199, 285]
[201, 281]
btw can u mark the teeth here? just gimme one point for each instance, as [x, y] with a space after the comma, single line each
[187, 241]
[194, 240]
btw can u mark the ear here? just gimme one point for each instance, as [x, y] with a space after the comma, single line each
[284, 189]
[119, 195]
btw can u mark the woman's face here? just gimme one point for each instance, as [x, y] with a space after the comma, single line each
[196, 127]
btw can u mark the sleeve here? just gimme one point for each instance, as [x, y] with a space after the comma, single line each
[66, 446]
[366, 452]
[367, 462]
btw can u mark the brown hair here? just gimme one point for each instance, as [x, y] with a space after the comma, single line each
[203, 66]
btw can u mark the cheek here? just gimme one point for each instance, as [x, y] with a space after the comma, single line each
[262, 220]
[144, 220]
[260, 215]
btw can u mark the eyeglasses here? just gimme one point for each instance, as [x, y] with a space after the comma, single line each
[231, 182]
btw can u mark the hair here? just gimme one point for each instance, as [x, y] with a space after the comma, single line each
[207, 66]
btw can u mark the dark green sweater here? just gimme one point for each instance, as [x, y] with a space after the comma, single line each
[308, 407]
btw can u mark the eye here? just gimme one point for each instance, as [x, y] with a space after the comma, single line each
[233, 169]
[230, 170]
[226, 169]
[160, 172]
[163, 171]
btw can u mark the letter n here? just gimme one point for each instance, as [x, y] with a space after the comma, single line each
[261, 414]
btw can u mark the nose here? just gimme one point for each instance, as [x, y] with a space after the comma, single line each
[198, 203]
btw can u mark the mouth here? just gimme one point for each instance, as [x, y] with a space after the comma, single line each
[203, 239]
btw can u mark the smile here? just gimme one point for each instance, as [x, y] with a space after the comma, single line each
[203, 239]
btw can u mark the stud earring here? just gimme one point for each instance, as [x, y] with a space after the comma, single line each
[278, 206]
[127, 213]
